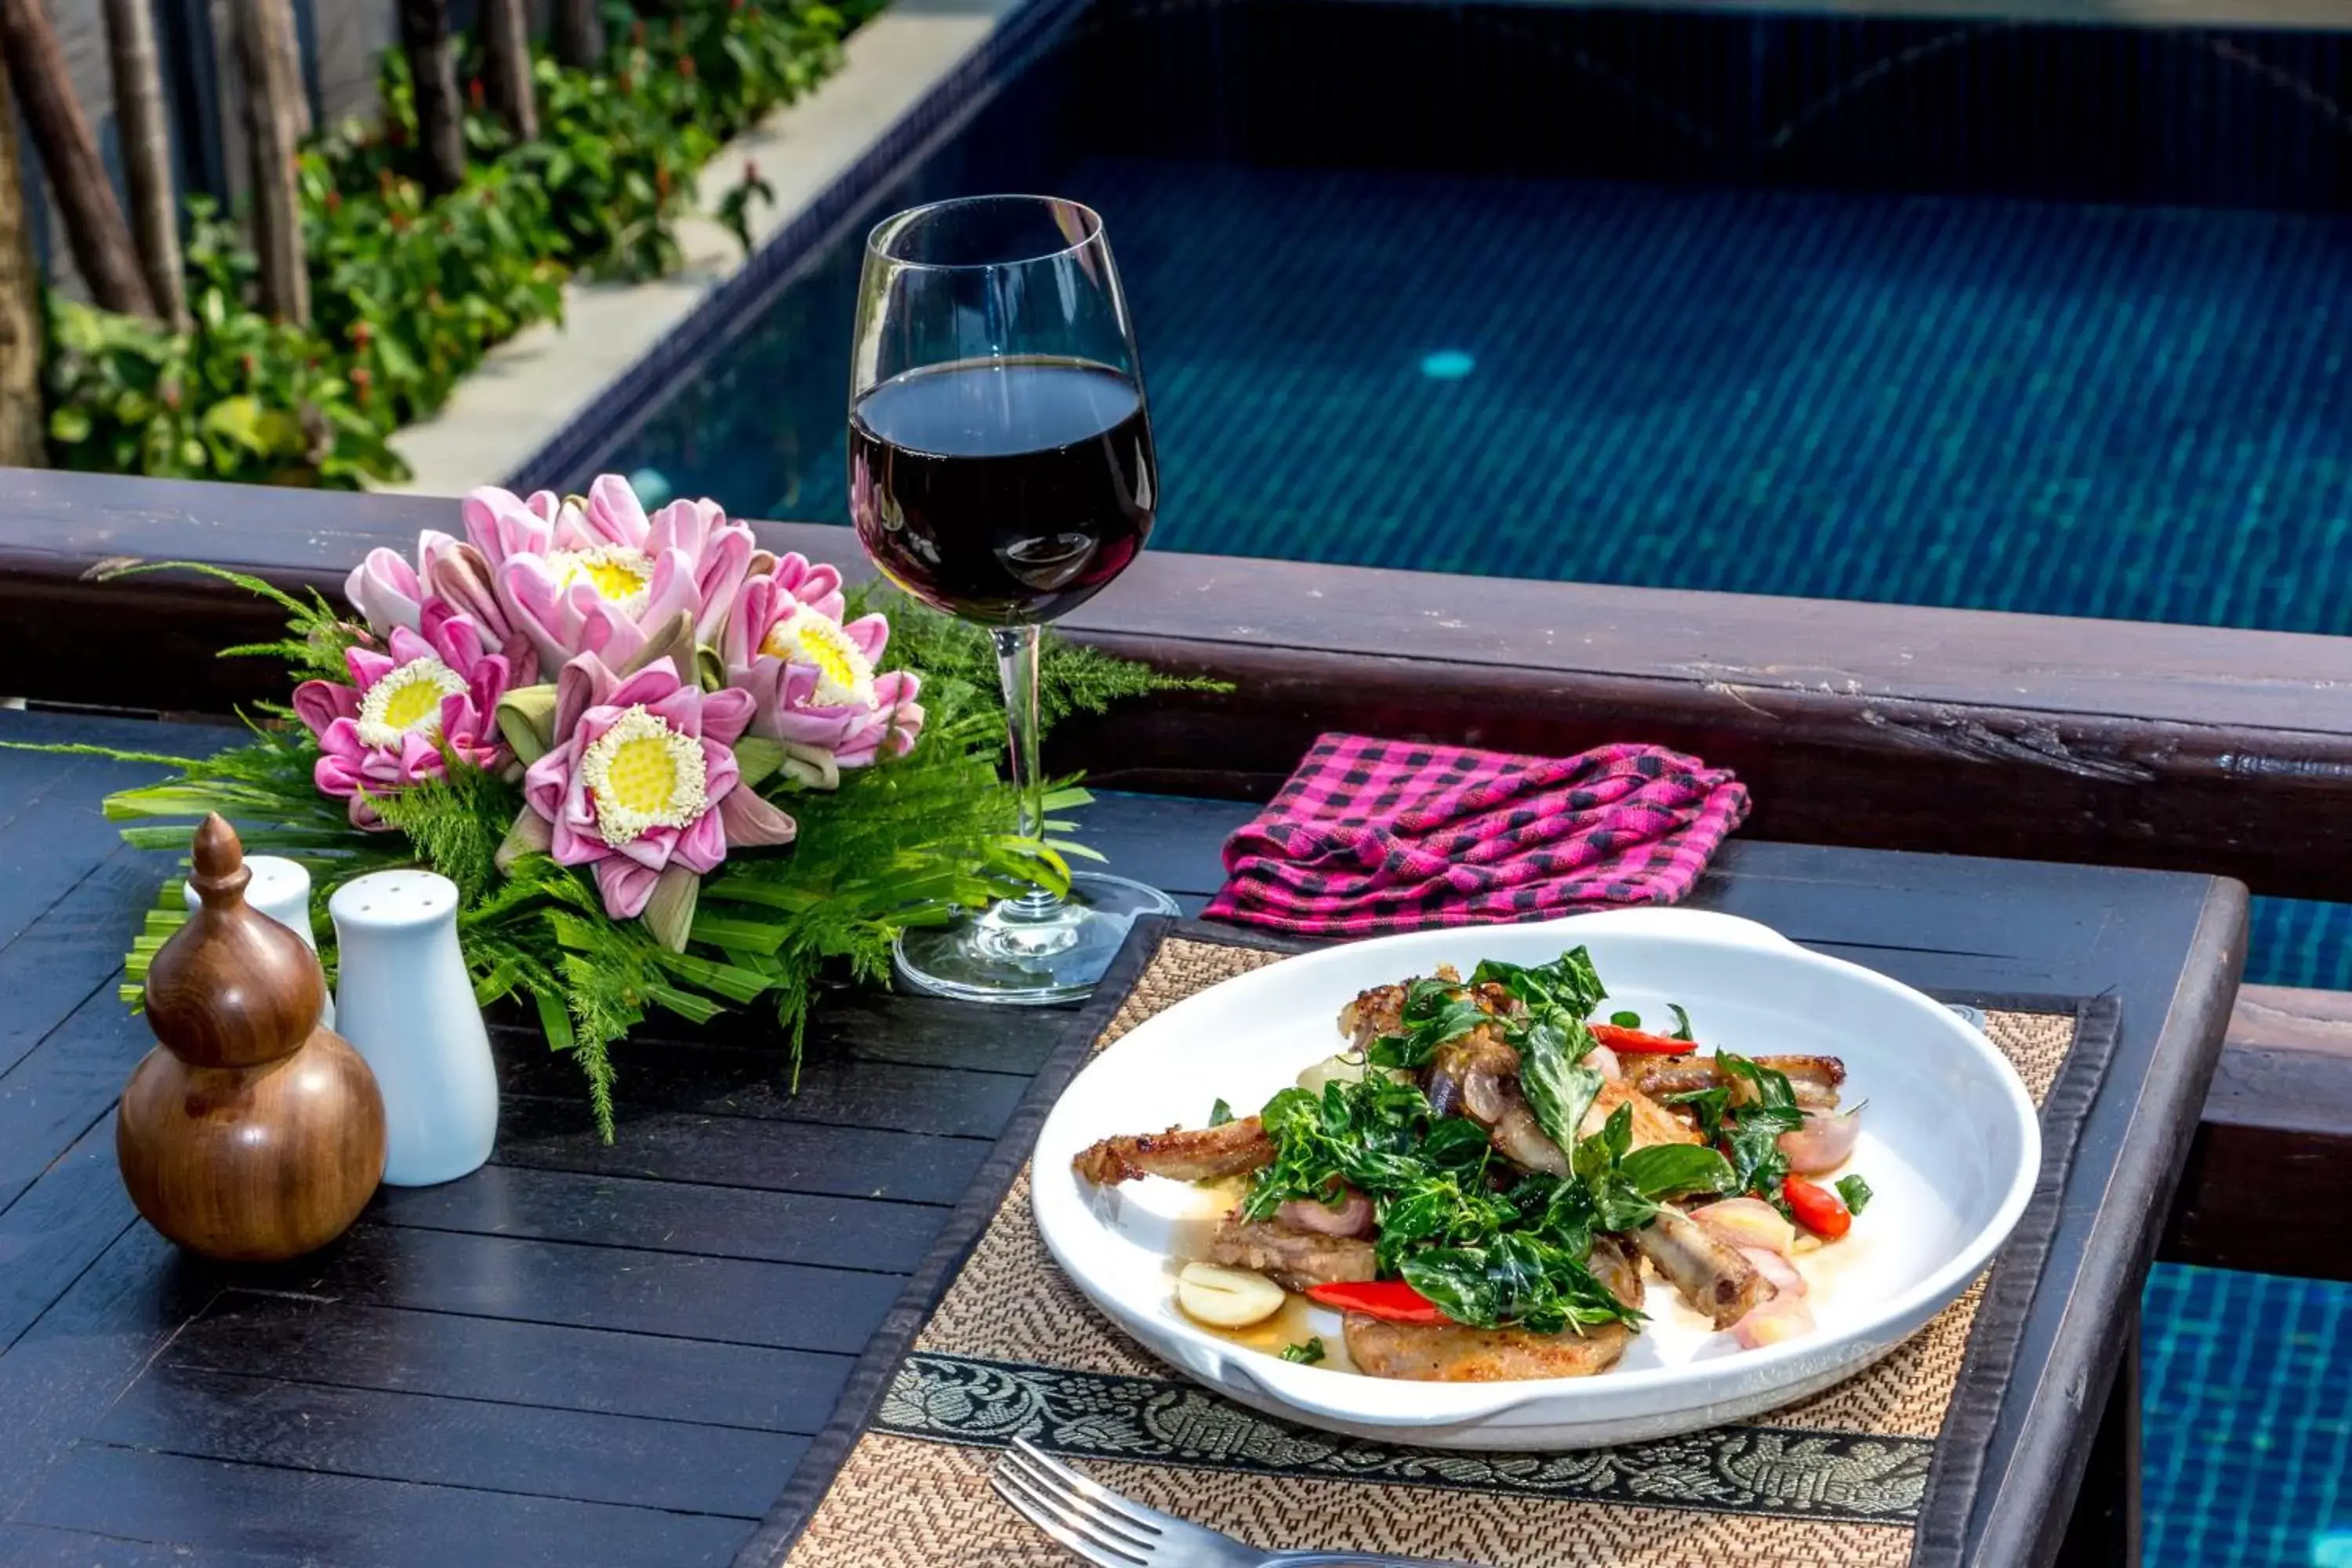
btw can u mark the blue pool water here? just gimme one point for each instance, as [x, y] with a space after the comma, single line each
[2134, 411]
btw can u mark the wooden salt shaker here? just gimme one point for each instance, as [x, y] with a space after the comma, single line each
[252, 1133]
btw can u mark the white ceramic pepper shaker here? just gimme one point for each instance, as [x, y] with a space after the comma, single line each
[407, 1005]
[280, 888]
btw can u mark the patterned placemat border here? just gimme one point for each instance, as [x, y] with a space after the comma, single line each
[1954, 1458]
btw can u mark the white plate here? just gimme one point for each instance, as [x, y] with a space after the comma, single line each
[1950, 1144]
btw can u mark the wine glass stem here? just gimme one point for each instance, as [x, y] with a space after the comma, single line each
[1016, 664]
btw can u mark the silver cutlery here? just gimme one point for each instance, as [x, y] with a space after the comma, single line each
[1100, 1526]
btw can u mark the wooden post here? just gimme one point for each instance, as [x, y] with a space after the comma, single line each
[95, 229]
[139, 117]
[506, 41]
[576, 32]
[432, 66]
[268, 55]
[23, 432]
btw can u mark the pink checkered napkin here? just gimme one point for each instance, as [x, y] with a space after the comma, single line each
[1378, 835]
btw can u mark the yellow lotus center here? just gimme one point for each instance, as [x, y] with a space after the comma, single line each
[618, 574]
[407, 698]
[642, 774]
[845, 677]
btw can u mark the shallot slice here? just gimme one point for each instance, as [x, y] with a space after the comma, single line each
[1777, 1268]
[1781, 1317]
[1747, 1222]
[1823, 1143]
[1352, 1217]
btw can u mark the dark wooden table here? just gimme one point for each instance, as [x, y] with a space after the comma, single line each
[610, 1356]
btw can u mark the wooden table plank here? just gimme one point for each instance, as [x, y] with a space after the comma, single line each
[356, 1522]
[669, 1216]
[555, 1366]
[834, 1089]
[453, 1440]
[64, 1085]
[63, 1221]
[783, 1306]
[734, 1152]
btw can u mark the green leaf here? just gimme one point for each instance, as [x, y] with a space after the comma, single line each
[237, 419]
[1626, 1020]
[69, 425]
[1682, 1023]
[1306, 1353]
[1670, 1170]
[1559, 1088]
[1220, 1113]
[1855, 1192]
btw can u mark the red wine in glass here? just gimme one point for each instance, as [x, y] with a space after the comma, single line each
[1003, 492]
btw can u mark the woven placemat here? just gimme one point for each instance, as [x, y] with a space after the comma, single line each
[1877, 1472]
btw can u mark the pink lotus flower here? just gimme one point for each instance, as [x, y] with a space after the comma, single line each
[451, 579]
[811, 676]
[603, 577]
[435, 691]
[643, 782]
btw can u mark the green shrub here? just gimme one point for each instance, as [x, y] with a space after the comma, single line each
[407, 293]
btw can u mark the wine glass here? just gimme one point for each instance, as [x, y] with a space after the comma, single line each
[1001, 469]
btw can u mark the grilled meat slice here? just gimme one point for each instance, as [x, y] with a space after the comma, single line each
[1181, 1154]
[1450, 1352]
[1815, 1079]
[1616, 1268]
[1653, 1122]
[1291, 1258]
[1380, 1010]
[1711, 1277]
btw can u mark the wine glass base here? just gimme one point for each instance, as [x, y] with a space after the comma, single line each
[1030, 953]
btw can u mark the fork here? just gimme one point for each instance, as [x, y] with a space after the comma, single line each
[1113, 1532]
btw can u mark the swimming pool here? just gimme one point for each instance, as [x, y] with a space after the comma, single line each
[1982, 314]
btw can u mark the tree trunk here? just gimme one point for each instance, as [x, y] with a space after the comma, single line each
[506, 40]
[99, 239]
[23, 432]
[269, 56]
[140, 120]
[577, 33]
[425, 35]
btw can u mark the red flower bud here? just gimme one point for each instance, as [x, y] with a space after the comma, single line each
[245, 366]
[334, 200]
[622, 81]
[474, 94]
[685, 67]
[361, 335]
[637, 33]
[661, 181]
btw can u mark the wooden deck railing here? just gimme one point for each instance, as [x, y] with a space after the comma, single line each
[1878, 726]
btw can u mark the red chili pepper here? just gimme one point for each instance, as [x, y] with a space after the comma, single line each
[1817, 1208]
[1390, 1300]
[1640, 1041]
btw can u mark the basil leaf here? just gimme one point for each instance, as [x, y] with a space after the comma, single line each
[1516, 1280]
[1568, 984]
[1855, 1192]
[1666, 1170]
[1626, 1020]
[1559, 1088]
[1706, 1104]
[1306, 1353]
[1683, 1019]
[1220, 1113]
